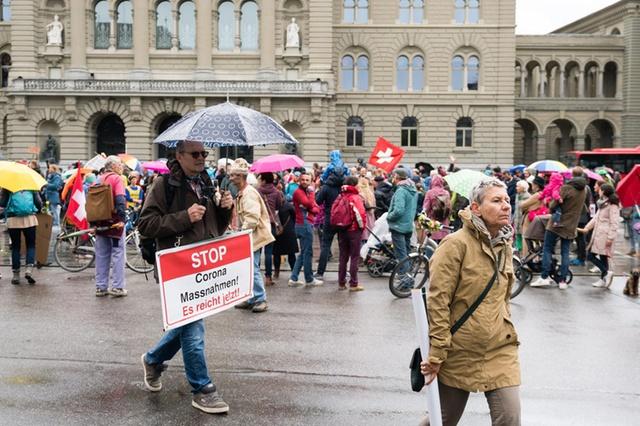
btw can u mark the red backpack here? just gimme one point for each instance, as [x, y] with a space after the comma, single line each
[341, 213]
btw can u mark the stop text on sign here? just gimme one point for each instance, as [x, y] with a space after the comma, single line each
[208, 257]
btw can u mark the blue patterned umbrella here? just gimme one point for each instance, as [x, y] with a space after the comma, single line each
[226, 124]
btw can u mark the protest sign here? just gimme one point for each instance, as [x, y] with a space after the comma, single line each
[202, 279]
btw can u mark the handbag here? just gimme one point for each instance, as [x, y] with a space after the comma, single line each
[417, 379]
[273, 217]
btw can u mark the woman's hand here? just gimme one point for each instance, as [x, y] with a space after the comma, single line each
[429, 371]
[580, 230]
[609, 244]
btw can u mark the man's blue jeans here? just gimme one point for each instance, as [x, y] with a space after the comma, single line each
[325, 247]
[189, 338]
[305, 235]
[401, 245]
[550, 239]
[259, 295]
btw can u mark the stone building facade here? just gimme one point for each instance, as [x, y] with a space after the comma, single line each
[440, 77]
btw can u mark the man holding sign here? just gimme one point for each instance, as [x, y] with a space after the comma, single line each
[180, 210]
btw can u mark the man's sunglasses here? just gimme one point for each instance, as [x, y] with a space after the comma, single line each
[197, 154]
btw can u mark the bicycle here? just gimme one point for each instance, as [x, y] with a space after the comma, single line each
[413, 271]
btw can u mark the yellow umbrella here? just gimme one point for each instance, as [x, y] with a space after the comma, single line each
[18, 177]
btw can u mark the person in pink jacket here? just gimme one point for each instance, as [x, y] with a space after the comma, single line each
[605, 228]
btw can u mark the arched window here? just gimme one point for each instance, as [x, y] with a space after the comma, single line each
[5, 60]
[615, 31]
[110, 135]
[473, 73]
[164, 23]
[457, 73]
[226, 26]
[102, 27]
[411, 11]
[355, 131]
[409, 132]
[362, 74]
[5, 11]
[249, 26]
[402, 73]
[347, 73]
[355, 11]
[467, 11]
[187, 26]
[124, 25]
[464, 132]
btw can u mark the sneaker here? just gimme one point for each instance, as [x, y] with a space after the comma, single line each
[260, 307]
[318, 276]
[342, 286]
[599, 284]
[608, 279]
[210, 402]
[594, 270]
[293, 283]
[576, 262]
[315, 283]
[356, 288]
[244, 305]
[101, 293]
[152, 373]
[118, 292]
[562, 285]
[541, 282]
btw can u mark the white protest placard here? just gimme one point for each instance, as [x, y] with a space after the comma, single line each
[202, 279]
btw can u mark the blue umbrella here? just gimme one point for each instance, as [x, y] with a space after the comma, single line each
[226, 124]
[518, 168]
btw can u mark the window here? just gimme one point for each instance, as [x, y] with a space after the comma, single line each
[346, 73]
[102, 25]
[249, 26]
[402, 73]
[124, 25]
[355, 11]
[411, 11]
[5, 11]
[226, 26]
[163, 25]
[467, 11]
[5, 60]
[187, 26]
[457, 75]
[464, 132]
[409, 132]
[354, 74]
[355, 131]
[410, 73]
[473, 66]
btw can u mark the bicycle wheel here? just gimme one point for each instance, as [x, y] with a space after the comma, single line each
[523, 277]
[134, 261]
[74, 254]
[411, 272]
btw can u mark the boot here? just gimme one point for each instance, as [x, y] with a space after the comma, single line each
[27, 274]
[16, 277]
[276, 274]
[268, 281]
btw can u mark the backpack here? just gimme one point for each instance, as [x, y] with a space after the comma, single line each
[343, 213]
[99, 204]
[21, 204]
[440, 211]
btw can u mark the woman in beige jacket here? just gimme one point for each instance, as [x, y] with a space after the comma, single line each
[482, 356]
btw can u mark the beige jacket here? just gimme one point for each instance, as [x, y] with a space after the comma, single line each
[483, 354]
[605, 228]
[253, 215]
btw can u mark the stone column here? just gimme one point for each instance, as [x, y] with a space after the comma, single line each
[267, 41]
[112, 30]
[619, 82]
[203, 41]
[581, 84]
[78, 69]
[631, 88]
[174, 28]
[579, 143]
[321, 42]
[523, 83]
[140, 69]
[543, 81]
[600, 83]
[238, 41]
[563, 82]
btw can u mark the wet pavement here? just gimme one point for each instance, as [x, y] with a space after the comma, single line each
[317, 357]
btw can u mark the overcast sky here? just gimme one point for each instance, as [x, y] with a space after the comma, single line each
[544, 16]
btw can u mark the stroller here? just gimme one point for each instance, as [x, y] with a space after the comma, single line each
[532, 262]
[377, 252]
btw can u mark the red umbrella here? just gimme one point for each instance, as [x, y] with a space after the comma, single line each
[629, 188]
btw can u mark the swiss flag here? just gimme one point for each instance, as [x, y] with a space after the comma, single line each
[76, 212]
[386, 155]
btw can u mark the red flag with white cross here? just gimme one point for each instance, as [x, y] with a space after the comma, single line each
[76, 212]
[386, 155]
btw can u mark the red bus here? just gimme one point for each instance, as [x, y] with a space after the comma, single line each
[619, 159]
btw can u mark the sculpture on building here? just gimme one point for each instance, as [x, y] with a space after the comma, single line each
[54, 32]
[293, 35]
[51, 153]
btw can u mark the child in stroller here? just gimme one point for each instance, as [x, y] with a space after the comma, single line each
[532, 262]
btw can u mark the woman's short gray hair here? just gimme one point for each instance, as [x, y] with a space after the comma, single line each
[478, 192]
[111, 160]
